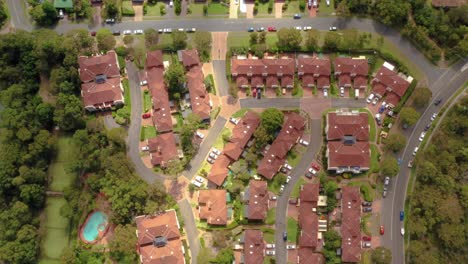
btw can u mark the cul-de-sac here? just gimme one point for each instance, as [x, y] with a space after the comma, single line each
[233, 131]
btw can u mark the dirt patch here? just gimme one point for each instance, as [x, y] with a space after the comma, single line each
[44, 91]
[279, 10]
[138, 12]
[176, 188]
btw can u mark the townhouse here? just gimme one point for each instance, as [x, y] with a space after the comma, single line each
[351, 72]
[388, 83]
[212, 206]
[351, 224]
[314, 71]
[254, 247]
[256, 200]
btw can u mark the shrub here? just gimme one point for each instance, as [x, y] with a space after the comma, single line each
[162, 10]
[302, 6]
[270, 6]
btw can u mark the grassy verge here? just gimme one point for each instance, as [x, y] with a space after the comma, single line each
[217, 9]
[146, 102]
[126, 87]
[297, 188]
[325, 10]
[241, 39]
[196, 9]
[292, 228]
[240, 113]
[372, 129]
[148, 132]
[270, 218]
[374, 167]
[154, 10]
[219, 143]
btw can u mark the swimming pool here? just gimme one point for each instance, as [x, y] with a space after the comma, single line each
[94, 227]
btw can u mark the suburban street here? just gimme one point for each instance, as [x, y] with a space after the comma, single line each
[296, 173]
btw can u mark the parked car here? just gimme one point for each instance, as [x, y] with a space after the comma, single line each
[260, 29]
[127, 32]
[60, 14]
[325, 93]
[307, 28]
[366, 203]
[328, 2]
[410, 163]
[233, 120]
[438, 101]
[287, 166]
[270, 252]
[366, 238]
[382, 230]
[415, 151]
[210, 160]
[270, 245]
[288, 178]
[110, 20]
[146, 115]
[200, 135]
[386, 181]
[213, 156]
[402, 231]
[384, 104]
[384, 194]
[433, 117]
[216, 151]
[167, 30]
[366, 244]
[315, 166]
[312, 171]
[93, 33]
[199, 179]
[285, 235]
[421, 137]
[303, 142]
[381, 109]
[171, 3]
[145, 148]
[250, 29]
[290, 246]
[272, 29]
[374, 102]
[198, 184]
[259, 94]
[308, 175]
[332, 28]
[366, 209]
[297, 16]
[402, 215]
[341, 91]
[191, 30]
[273, 198]
[282, 188]
[144, 82]
[138, 32]
[427, 127]
[116, 32]
[298, 28]
[369, 99]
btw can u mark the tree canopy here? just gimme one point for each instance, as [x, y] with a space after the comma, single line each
[272, 120]
[408, 116]
[389, 166]
[395, 142]
[202, 42]
[289, 39]
[421, 97]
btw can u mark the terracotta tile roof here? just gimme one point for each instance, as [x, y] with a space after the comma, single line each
[199, 98]
[165, 225]
[360, 82]
[98, 94]
[392, 99]
[344, 80]
[449, 3]
[308, 256]
[345, 124]
[309, 193]
[351, 224]
[323, 82]
[212, 204]
[162, 149]
[154, 59]
[190, 58]
[313, 65]
[258, 200]
[356, 155]
[161, 109]
[351, 66]
[254, 246]
[260, 69]
[308, 80]
[308, 219]
[283, 66]
[241, 134]
[287, 81]
[292, 130]
[379, 89]
[247, 66]
[242, 81]
[219, 170]
[90, 67]
[391, 81]
[272, 81]
[256, 81]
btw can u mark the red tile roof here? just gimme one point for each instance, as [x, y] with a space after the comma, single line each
[313, 65]
[391, 81]
[161, 109]
[344, 80]
[356, 155]
[162, 149]
[254, 246]
[346, 124]
[323, 82]
[308, 80]
[272, 81]
[190, 58]
[164, 225]
[219, 170]
[241, 134]
[199, 97]
[308, 219]
[392, 99]
[260, 70]
[90, 67]
[287, 81]
[242, 81]
[212, 204]
[351, 224]
[154, 59]
[308, 256]
[360, 82]
[292, 130]
[309, 193]
[258, 200]
[99, 94]
[351, 66]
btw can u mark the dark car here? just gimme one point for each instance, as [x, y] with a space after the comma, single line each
[438, 101]
[402, 215]
[381, 109]
[259, 94]
[250, 29]
[285, 235]
[93, 33]
[367, 209]
[116, 32]
[297, 16]
[427, 127]
[366, 203]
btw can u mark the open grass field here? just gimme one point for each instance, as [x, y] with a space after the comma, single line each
[56, 238]
[196, 9]
[148, 132]
[292, 228]
[241, 39]
[57, 170]
[154, 10]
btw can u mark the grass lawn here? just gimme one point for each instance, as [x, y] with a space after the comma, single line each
[241, 39]
[325, 10]
[270, 218]
[165, 39]
[126, 87]
[372, 129]
[366, 189]
[219, 143]
[297, 188]
[269, 238]
[148, 132]
[60, 179]
[154, 10]
[366, 257]
[56, 226]
[263, 10]
[240, 113]
[292, 228]
[196, 9]
[300, 90]
[217, 9]
[374, 159]
[293, 8]
[127, 7]
[294, 156]
[146, 101]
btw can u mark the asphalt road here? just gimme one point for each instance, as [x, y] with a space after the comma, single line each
[221, 83]
[18, 17]
[270, 102]
[283, 199]
[205, 147]
[190, 228]
[444, 87]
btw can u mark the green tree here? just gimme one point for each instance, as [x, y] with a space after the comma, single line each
[381, 255]
[272, 120]
[409, 116]
[421, 97]
[289, 39]
[175, 78]
[151, 37]
[105, 39]
[392, 12]
[225, 256]
[395, 142]
[389, 166]
[111, 9]
[311, 42]
[179, 40]
[32, 194]
[44, 14]
[122, 245]
[332, 41]
[262, 38]
[68, 114]
[253, 40]
[3, 14]
[202, 42]
[262, 137]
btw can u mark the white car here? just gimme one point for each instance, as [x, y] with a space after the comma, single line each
[307, 28]
[415, 151]
[200, 135]
[127, 32]
[311, 170]
[167, 30]
[288, 178]
[198, 184]
[210, 160]
[421, 138]
[143, 83]
[303, 142]
[233, 120]
[332, 28]
[180, 30]
[216, 151]
[384, 104]
[213, 156]
[160, 30]
[273, 198]
[282, 188]
[387, 181]
[290, 246]
[328, 2]
[199, 179]
[270, 252]
[270, 245]
[433, 117]
[298, 28]
[341, 91]
[171, 3]
[287, 166]
[402, 231]
[191, 29]
[145, 148]
[325, 93]
[369, 99]
[375, 101]
[138, 32]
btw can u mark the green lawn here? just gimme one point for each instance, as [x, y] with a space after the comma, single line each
[292, 228]
[146, 101]
[219, 143]
[294, 157]
[154, 10]
[270, 218]
[293, 8]
[217, 9]
[148, 132]
[240, 113]
[366, 189]
[126, 87]
[241, 39]
[263, 10]
[60, 178]
[372, 128]
[325, 10]
[196, 9]
[297, 188]
[374, 159]
[127, 8]
[165, 39]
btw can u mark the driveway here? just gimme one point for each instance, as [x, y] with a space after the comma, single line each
[279, 9]
[250, 9]
[233, 8]
[18, 14]
[297, 172]
[219, 46]
[138, 12]
[222, 85]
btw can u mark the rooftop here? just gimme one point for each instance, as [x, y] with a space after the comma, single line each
[254, 246]
[258, 200]
[213, 207]
[351, 224]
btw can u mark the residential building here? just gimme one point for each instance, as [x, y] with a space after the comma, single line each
[308, 218]
[275, 156]
[348, 148]
[241, 134]
[199, 98]
[449, 3]
[163, 149]
[351, 224]
[254, 247]
[390, 84]
[351, 72]
[158, 239]
[308, 256]
[259, 73]
[314, 71]
[212, 206]
[100, 76]
[256, 200]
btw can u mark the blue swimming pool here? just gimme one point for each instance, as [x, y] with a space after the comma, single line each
[96, 224]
